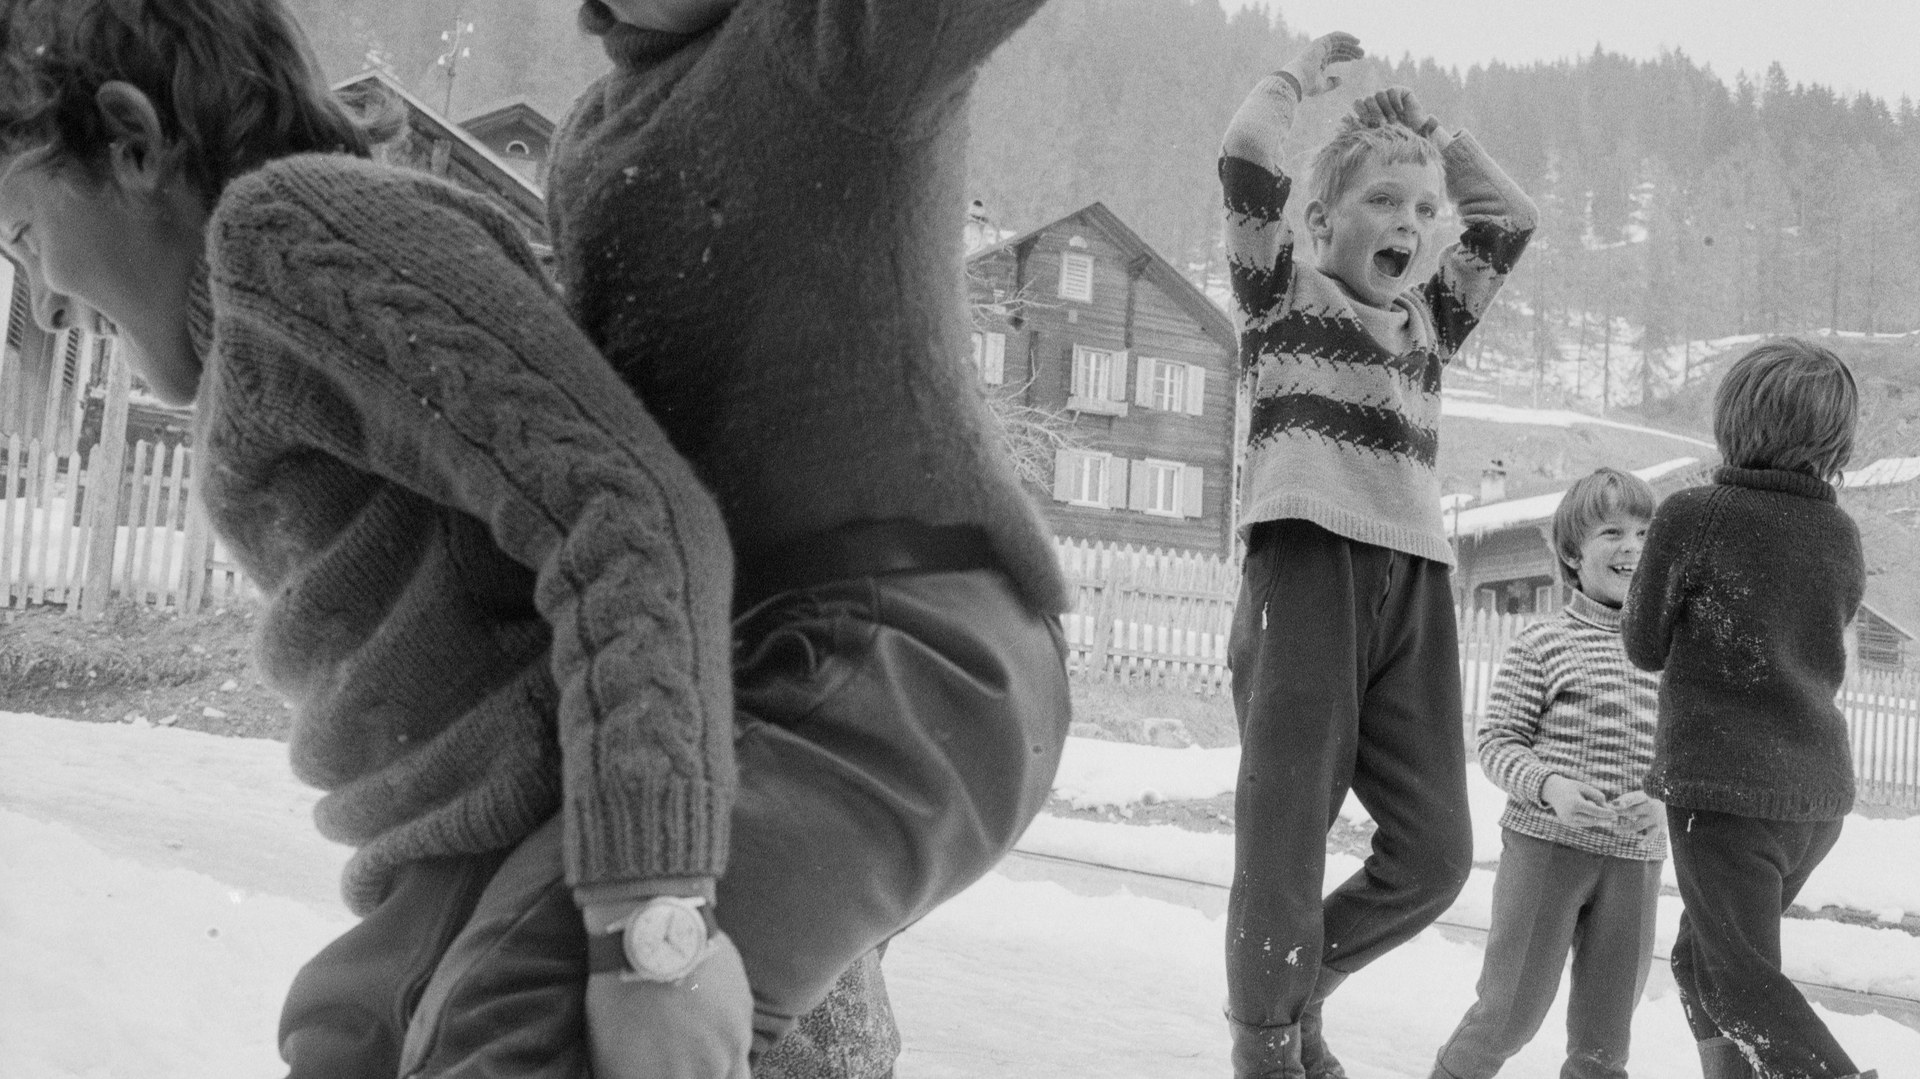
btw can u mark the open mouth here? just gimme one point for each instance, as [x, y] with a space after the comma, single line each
[1623, 569]
[1392, 261]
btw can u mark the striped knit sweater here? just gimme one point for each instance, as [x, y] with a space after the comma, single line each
[493, 591]
[1346, 398]
[1566, 700]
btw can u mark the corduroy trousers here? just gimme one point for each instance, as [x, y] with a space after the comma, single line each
[895, 736]
[1549, 899]
[1737, 876]
[1346, 675]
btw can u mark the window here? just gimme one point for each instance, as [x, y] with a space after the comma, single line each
[517, 148]
[1165, 488]
[1082, 478]
[990, 357]
[1099, 381]
[1076, 277]
[1171, 386]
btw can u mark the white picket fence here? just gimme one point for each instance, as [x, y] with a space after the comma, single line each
[1159, 618]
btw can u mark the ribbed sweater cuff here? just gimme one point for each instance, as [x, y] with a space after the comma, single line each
[677, 828]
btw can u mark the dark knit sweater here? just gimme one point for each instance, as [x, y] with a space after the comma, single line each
[1345, 422]
[493, 591]
[760, 225]
[1742, 599]
[1566, 701]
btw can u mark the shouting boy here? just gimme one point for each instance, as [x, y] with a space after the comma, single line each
[1344, 653]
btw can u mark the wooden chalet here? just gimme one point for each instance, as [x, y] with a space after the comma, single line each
[1505, 562]
[432, 142]
[518, 134]
[1082, 321]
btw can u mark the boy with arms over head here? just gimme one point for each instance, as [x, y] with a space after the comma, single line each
[756, 216]
[1569, 736]
[1345, 666]
[495, 594]
[1742, 601]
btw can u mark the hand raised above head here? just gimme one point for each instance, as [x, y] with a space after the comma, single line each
[1394, 105]
[1310, 67]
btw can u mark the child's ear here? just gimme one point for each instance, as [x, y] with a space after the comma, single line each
[140, 158]
[1316, 220]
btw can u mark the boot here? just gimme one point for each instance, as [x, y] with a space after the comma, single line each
[1315, 1058]
[1722, 1058]
[1266, 1052]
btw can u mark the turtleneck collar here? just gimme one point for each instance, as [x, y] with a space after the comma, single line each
[1776, 479]
[1592, 611]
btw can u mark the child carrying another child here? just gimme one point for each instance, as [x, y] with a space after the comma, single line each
[1569, 736]
[495, 594]
[756, 217]
[1742, 600]
[1343, 648]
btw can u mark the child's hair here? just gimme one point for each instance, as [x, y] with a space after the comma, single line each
[1596, 497]
[1787, 404]
[1355, 144]
[233, 81]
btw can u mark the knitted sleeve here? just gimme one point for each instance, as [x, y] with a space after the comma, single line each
[1512, 724]
[1658, 593]
[1498, 221]
[1259, 241]
[420, 307]
[883, 65]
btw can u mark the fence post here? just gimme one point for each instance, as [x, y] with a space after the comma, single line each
[104, 510]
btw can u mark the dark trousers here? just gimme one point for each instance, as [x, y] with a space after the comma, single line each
[1549, 899]
[1737, 877]
[1345, 675]
[896, 734]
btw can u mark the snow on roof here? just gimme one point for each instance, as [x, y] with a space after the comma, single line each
[1885, 472]
[1537, 508]
[1451, 404]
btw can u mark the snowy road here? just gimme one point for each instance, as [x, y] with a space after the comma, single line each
[161, 887]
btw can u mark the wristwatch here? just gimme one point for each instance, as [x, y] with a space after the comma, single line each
[663, 940]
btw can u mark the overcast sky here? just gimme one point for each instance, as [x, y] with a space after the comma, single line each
[1849, 45]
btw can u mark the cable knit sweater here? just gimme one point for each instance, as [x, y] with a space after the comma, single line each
[760, 225]
[1566, 701]
[1742, 598]
[493, 590]
[1345, 422]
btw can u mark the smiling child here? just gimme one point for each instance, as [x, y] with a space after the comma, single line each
[1344, 654]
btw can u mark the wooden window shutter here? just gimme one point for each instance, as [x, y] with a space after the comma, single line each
[1143, 380]
[18, 311]
[1196, 389]
[1117, 384]
[1117, 468]
[1140, 486]
[979, 351]
[1076, 277]
[1065, 471]
[1192, 483]
[994, 368]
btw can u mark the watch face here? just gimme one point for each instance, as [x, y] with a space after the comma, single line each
[665, 939]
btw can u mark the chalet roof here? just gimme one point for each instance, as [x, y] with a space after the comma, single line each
[1213, 321]
[512, 110]
[474, 154]
[1535, 510]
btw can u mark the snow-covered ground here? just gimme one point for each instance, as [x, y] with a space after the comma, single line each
[161, 887]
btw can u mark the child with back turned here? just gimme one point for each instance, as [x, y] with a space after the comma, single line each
[1742, 601]
[495, 594]
[1343, 648]
[1569, 736]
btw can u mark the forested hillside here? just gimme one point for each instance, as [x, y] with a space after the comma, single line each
[1679, 204]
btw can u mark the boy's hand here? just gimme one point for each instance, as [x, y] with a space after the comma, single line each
[699, 1027]
[1309, 68]
[1394, 105]
[1641, 814]
[1577, 803]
